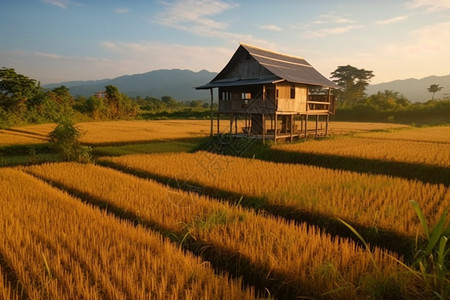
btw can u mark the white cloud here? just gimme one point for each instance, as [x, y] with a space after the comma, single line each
[196, 17]
[429, 5]
[424, 53]
[429, 41]
[121, 10]
[192, 15]
[332, 19]
[391, 20]
[271, 27]
[328, 24]
[323, 32]
[60, 3]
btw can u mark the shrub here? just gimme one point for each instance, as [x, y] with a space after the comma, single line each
[65, 140]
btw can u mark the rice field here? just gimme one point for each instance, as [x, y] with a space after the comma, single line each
[85, 231]
[416, 152]
[298, 257]
[6, 292]
[9, 138]
[60, 248]
[113, 132]
[376, 201]
[438, 134]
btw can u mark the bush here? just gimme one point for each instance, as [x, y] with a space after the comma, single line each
[65, 140]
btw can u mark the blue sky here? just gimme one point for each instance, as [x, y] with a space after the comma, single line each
[61, 40]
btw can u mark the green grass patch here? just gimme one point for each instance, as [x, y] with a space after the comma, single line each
[15, 160]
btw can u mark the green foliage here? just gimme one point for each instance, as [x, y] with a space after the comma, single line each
[432, 112]
[119, 106]
[65, 140]
[434, 88]
[431, 260]
[431, 265]
[16, 90]
[353, 82]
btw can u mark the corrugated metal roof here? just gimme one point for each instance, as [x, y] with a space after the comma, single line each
[238, 82]
[291, 68]
[282, 66]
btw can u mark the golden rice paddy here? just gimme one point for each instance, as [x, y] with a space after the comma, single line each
[61, 248]
[368, 200]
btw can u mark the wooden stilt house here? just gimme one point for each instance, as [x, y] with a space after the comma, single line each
[272, 94]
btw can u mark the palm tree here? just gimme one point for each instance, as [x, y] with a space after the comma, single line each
[434, 88]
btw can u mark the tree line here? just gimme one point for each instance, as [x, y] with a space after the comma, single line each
[24, 101]
[354, 104]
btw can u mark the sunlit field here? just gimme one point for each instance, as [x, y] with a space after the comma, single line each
[380, 147]
[181, 223]
[295, 254]
[367, 200]
[9, 138]
[439, 134]
[61, 248]
[112, 132]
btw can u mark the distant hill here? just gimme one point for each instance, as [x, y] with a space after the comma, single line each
[415, 90]
[178, 84]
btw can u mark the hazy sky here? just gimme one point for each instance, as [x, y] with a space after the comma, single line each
[61, 40]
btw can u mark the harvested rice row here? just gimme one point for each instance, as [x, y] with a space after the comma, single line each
[434, 154]
[61, 248]
[300, 257]
[376, 201]
[437, 134]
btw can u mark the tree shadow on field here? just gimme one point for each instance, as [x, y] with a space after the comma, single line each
[411, 171]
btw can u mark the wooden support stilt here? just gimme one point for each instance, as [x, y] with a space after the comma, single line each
[236, 124]
[306, 126]
[275, 129]
[292, 127]
[231, 123]
[326, 125]
[263, 128]
[212, 112]
[317, 125]
[218, 123]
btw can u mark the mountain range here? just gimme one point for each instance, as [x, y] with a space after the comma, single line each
[180, 84]
[415, 90]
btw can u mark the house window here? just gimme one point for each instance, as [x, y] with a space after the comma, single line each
[276, 94]
[246, 96]
[226, 96]
[292, 92]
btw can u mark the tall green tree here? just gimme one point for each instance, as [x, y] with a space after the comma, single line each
[434, 88]
[353, 83]
[16, 90]
[119, 105]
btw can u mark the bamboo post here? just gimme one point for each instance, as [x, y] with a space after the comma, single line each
[292, 127]
[263, 129]
[275, 128]
[212, 112]
[218, 123]
[306, 126]
[231, 123]
[317, 125]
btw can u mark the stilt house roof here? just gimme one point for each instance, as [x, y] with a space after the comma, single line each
[252, 65]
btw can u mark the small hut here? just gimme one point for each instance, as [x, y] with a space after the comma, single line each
[273, 94]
